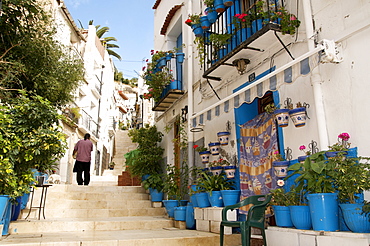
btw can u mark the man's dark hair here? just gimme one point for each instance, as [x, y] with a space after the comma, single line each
[87, 136]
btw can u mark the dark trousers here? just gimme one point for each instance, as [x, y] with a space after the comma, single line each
[82, 167]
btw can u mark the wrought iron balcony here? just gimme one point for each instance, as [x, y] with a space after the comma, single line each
[229, 41]
[174, 90]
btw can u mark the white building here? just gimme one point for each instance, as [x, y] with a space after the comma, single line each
[94, 99]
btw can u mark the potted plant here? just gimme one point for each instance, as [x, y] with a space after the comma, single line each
[298, 115]
[111, 165]
[352, 180]
[213, 184]
[210, 11]
[146, 160]
[280, 202]
[299, 210]
[281, 115]
[316, 176]
[280, 164]
[204, 153]
[157, 80]
[306, 153]
[219, 41]
[155, 184]
[214, 147]
[194, 22]
[288, 22]
[242, 26]
[223, 137]
[339, 148]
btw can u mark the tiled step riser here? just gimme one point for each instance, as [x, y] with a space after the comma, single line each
[93, 213]
[81, 226]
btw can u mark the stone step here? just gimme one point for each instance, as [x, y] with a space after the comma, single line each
[93, 213]
[94, 189]
[92, 224]
[158, 237]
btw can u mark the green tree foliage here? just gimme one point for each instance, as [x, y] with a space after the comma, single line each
[29, 138]
[30, 57]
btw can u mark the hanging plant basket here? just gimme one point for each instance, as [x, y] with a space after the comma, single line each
[214, 147]
[298, 116]
[282, 117]
[223, 137]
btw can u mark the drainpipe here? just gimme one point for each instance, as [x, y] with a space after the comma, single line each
[189, 48]
[316, 79]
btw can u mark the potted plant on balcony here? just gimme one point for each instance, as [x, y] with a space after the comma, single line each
[210, 11]
[242, 26]
[157, 80]
[289, 22]
[281, 200]
[194, 22]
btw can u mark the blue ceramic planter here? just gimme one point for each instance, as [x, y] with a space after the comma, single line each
[281, 168]
[298, 116]
[211, 15]
[205, 23]
[230, 197]
[219, 6]
[170, 205]
[228, 3]
[214, 147]
[180, 213]
[282, 117]
[161, 62]
[202, 199]
[355, 220]
[197, 30]
[156, 196]
[190, 220]
[180, 57]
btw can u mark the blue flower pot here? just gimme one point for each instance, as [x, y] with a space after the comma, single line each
[230, 197]
[170, 206]
[197, 30]
[161, 62]
[282, 216]
[219, 6]
[190, 220]
[215, 199]
[228, 3]
[202, 199]
[180, 213]
[324, 211]
[180, 57]
[204, 155]
[230, 171]
[223, 137]
[214, 147]
[211, 15]
[205, 23]
[355, 220]
[301, 217]
[155, 196]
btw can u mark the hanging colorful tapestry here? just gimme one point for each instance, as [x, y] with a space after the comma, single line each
[257, 144]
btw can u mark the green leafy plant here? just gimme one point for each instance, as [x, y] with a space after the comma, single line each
[200, 45]
[317, 174]
[176, 182]
[208, 182]
[289, 22]
[352, 178]
[219, 40]
[270, 108]
[146, 160]
[154, 181]
[157, 81]
[209, 3]
[200, 148]
[282, 198]
[193, 19]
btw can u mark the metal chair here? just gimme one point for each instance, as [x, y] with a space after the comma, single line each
[255, 218]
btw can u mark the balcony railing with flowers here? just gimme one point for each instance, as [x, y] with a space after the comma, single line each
[226, 32]
[164, 78]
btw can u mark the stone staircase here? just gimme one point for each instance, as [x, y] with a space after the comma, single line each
[103, 213]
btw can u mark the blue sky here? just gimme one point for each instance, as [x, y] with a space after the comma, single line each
[130, 22]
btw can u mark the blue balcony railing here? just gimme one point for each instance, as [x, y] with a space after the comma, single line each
[175, 89]
[239, 36]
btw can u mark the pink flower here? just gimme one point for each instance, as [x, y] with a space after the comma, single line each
[278, 13]
[276, 152]
[302, 147]
[150, 89]
[292, 18]
[344, 136]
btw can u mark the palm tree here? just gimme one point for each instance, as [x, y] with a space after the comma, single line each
[105, 41]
